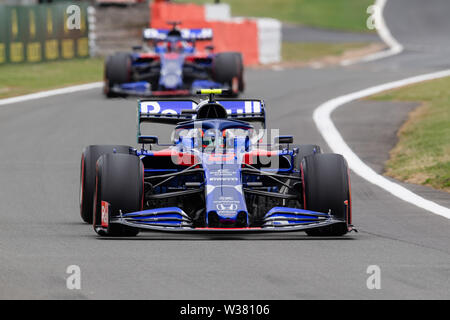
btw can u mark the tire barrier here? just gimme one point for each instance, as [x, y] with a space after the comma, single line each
[258, 39]
[161, 11]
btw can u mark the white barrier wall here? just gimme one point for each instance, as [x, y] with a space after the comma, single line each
[269, 31]
[217, 12]
[269, 39]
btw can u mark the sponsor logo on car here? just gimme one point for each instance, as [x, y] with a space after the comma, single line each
[105, 214]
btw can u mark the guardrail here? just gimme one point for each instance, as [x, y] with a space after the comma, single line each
[46, 32]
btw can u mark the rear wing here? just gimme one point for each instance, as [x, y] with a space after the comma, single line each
[245, 109]
[174, 111]
[186, 34]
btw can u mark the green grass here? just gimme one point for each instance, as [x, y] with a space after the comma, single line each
[18, 79]
[348, 15]
[304, 52]
[422, 155]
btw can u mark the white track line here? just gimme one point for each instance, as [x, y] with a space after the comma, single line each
[383, 31]
[322, 118]
[50, 93]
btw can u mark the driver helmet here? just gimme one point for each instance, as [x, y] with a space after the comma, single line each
[209, 139]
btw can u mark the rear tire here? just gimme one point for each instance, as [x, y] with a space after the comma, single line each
[87, 176]
[117, 71]
[119, 181]
[326, 186]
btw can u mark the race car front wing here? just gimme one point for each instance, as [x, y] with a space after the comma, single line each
[144, 89]
[174, 219]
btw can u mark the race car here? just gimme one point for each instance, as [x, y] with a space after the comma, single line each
[169, 65]
[217, 175]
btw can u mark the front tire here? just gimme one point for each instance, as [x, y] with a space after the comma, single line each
[87, 176]
[119, 182]
[326, 186]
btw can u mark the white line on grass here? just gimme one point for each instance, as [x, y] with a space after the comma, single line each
[322, 118]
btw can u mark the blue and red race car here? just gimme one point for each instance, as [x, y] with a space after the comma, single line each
[169, 65]
[216, 176]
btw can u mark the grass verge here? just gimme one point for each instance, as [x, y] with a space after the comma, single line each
[19, 79]
[422, 155]
[350, 15]
[305, 52]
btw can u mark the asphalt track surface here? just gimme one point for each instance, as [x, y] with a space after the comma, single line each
[41, 232]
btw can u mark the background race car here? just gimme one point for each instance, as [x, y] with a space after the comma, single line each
[217, 176]
[168, 64]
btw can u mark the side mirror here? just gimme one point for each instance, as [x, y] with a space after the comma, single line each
[148, 140]
[284, 139]
[137, 48]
